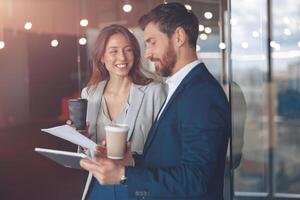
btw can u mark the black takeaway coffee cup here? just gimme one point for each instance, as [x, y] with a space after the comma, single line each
[77, 112]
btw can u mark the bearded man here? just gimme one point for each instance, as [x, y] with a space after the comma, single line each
[184, 154]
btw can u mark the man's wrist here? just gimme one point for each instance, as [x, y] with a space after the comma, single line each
[123, 178]
[132, 164]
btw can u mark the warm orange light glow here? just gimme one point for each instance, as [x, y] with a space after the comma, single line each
[84, 22]
[28, 25]
[82, 41]
[54, 43]
[2, 44]
[127, 7]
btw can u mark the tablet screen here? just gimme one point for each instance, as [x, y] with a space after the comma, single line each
[65, 158]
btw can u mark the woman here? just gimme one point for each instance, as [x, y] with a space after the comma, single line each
[118, 92]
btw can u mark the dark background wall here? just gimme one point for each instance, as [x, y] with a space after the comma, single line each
[14, 81]
[34, 77]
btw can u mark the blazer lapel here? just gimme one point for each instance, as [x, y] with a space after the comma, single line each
[94, 107]
[136, 95]
[190, 76]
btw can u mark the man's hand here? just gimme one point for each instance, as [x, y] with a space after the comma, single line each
[128, 159]
[101, 152]
[105, 170]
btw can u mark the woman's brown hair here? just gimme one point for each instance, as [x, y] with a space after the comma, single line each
[99, 71]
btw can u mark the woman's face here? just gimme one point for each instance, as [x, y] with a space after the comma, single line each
[118, 56]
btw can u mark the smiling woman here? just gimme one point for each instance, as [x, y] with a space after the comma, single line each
[108, 46]
[118, 92]
[118, 56]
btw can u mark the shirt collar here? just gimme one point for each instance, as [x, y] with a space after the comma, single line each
[176, 78]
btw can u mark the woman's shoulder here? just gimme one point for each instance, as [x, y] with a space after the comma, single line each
[84, 93]
[94, 90]
[155, 89]
[152, 86]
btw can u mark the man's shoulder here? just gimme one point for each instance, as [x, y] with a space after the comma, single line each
[203, 83]
[203, 89]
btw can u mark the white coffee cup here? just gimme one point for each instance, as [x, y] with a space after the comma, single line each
[116, 139]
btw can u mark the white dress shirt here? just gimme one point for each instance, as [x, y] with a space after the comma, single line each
[174, 81]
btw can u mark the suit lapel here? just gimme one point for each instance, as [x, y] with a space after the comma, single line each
[136, 97]
[154, 126]
[189, 77]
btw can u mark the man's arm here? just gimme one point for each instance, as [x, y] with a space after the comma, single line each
[204, 135]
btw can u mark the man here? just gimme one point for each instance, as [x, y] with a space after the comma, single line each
[184, 154]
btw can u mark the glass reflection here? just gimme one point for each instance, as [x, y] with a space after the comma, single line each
[249, 66]
[286, 70]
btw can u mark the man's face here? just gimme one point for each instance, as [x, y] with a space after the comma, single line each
[159, 50]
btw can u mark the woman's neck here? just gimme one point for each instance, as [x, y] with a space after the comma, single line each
[116, 85]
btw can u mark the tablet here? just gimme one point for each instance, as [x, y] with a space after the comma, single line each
[65, 158]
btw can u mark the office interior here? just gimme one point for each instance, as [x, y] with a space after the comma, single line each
[252, 47]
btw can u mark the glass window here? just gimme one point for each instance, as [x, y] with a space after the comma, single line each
[286, 71]
[249, 96]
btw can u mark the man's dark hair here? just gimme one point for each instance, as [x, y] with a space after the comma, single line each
[170, 16]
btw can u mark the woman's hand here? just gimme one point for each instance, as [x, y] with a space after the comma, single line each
[84, 132]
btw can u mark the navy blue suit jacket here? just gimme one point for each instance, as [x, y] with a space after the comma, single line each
[185, 151]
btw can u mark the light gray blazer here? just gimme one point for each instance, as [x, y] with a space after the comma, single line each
[145, 104]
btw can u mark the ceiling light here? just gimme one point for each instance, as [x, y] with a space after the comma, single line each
[2, 44]
[273, 44]
[127, 7]
[201, 27]
[233, 22]
[28, 25]
[188, 6]
[198, 48]
[82, 41]
[84, 22]
[286, 20]
[245, 45]
[203, 36]
[207, 30]
[208, 15]
[287, 31]
[255, 34]
[54, 43]
[222, 45]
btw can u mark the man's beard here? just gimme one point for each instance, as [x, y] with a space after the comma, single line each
[167, 62]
